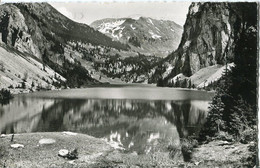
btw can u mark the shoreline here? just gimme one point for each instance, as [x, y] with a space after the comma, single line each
[114, 92]
[95, 152]
[19, 91]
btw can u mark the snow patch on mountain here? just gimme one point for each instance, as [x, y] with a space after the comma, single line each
[109, 26]
[132, 27]
[154, 36]
[150, 21]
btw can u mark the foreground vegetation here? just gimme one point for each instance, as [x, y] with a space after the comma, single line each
[232, 115]
[232, 119]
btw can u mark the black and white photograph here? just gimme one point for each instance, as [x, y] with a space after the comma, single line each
[129, 84]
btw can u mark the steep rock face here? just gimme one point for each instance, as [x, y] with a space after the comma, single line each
[15, 32]
[145, 35]
[208, 39]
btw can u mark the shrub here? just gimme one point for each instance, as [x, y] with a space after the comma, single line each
[186, 148]
[248, 136]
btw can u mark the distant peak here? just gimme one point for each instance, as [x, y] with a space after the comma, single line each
[135, 16]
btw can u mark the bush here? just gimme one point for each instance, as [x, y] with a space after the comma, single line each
[185, 148]
[247, 136]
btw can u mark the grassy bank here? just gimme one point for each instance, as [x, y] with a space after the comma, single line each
[34, 154]
[93, 152]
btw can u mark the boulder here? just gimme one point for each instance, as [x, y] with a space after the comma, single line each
[63, 152]
[46, 141]
[69, 133]
[17, 146]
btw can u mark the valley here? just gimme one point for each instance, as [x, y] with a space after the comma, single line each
[123, 50]
[150, 92]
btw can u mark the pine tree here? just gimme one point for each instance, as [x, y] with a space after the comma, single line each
[189, 85]
[177, 83]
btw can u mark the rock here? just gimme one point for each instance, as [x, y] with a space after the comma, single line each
[69, 133]
[134, 153]
[73, 154]
[46, 141]
[222, 143]
[71, 162]
[230, 146]
[196, 163]
[17, 146]
[70, 155]
[2, 135]
[63, 152]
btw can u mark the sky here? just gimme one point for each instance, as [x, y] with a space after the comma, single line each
[87, 12]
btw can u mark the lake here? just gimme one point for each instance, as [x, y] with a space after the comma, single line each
[135, 119]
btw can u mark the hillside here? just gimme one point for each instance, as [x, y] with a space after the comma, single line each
[19, 71]
[145, 35]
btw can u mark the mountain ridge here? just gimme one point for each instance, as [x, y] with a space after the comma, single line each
[145, 35]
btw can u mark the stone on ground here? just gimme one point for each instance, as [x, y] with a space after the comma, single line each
[46, 141]
[17, 146]
[63, 152]
[69, 133]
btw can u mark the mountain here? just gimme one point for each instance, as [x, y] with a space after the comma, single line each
[69, 48]
[207, 40]
[27, 27]
[78, 52]
[145, 35]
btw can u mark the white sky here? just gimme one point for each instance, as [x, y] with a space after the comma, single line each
[87, 12]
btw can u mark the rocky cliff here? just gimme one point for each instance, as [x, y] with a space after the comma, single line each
[207, 40]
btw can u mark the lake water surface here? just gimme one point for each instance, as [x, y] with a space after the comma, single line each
[131, 118]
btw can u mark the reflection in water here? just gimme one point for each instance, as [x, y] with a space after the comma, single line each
[133, 125]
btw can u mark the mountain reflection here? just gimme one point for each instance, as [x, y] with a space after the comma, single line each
[132, 125]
